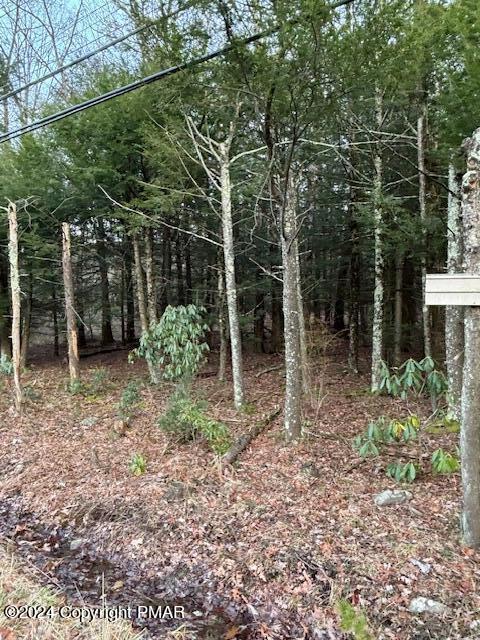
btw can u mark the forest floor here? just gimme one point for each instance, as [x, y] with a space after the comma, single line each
[267, 549]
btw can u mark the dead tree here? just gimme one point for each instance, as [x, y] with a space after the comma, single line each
[72, 338]
[16, 303]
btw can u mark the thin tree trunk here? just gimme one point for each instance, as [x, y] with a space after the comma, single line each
[454, 315]
[378, 294]
[179, 268]
[5, 316]
[107, 334]
[27, 323]
[470, 427]
[73, 359]
[56, 349]
[427, 338]
[129, 294]
[150, 278]
[166, 269]
[188, 274]
[122, 304]
[398, 306]
[293, 389]
[16, 304]
[230, 281]
[222, 325]
[142, 308]
[306, 383]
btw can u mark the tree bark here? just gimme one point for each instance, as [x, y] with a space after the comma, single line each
[56, 349]
[129, 295]
[454, 315]
[150, 278]
[230, 281]
[179, 269]
[293, 370]
[398, 308]
[142, 308]
[470, 427]
[427, 338]
[72, 339]
[166, 269]
[5, 315]
[378, 294]
[222, 326]
[16, 304]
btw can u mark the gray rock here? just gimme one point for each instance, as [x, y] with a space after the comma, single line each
[91, 421]
[389, 496]
[426, 605]
[76, 544]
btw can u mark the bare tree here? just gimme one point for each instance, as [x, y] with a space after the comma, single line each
[72, 338]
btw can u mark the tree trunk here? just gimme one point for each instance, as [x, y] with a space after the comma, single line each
[378, 294]
[150, 278]
[122, 304]
[16, 304]
[56, 349]
[79, 316]
[129, 295]
[470, 427]
[27, 323]
[5, 316]
[166, 269]
[179, 269]
[230, 281]
[306, 382]
[454, 315]
[222, 326]
[427, 339]
[397, 313]
[293, 389]
[188, 274]
[73, 359]
[142, 309]
[107, 334]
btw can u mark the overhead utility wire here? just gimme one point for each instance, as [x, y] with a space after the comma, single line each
[73, 63]
[142, 82]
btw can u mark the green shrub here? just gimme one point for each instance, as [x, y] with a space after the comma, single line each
[185, 419]
[6, 365]
[402, 472]
[415, 378]
[77, 387]
[385, 431]
[176, 343]
[138, 464]
[129, 399]
[444, 462]
[98, 380]
[353, 621]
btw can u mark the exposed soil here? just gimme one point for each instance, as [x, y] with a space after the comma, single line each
[264, 550]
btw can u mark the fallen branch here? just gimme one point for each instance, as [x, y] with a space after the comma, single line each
[277, 367]
[244, 440]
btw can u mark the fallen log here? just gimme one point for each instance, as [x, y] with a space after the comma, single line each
[245, 439]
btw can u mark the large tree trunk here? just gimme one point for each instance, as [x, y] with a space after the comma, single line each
[470, 427]
[16, 304]
[107, 334]
[73, 359]
[378, 294]
[293, 389]
[427, 338]
[454, 315]
[230, 281]
[150, 277]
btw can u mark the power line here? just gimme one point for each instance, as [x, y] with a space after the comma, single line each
[142, 82]
[73, 63]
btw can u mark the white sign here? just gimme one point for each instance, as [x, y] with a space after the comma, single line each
[458, 289]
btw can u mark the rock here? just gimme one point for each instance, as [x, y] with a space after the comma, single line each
[423, 566]
[76, 544]
[176, 491]
[389, 497]
[426, 605]
[91, 421]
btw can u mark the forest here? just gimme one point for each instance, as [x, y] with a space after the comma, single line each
[239, 319]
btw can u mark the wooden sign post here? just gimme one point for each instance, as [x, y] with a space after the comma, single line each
[464, 290]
